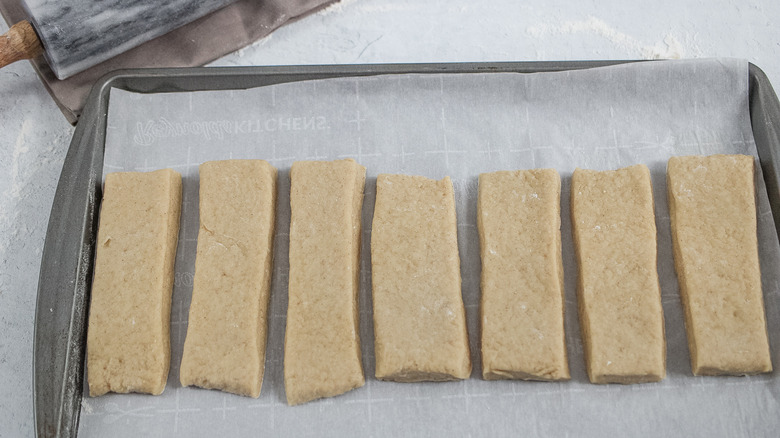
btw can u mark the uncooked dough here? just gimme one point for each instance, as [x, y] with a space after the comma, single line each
[322, 342]
[519, 221]
[128, 339]
[419, 318]
[713, 216]
[619, 297]
[226, 334]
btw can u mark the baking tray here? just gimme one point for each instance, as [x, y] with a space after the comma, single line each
[68, 255]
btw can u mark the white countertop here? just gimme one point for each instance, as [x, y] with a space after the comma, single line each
[34, 136]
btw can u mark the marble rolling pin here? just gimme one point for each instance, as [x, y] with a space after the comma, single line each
[74, 35]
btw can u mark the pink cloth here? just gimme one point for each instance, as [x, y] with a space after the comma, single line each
[197, 43]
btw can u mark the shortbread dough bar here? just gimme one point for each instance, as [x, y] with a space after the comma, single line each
[713, 215]
[519, 222]
[128, 340]
[322, 343]
[618, 292]
[419, 319]
[226, 334]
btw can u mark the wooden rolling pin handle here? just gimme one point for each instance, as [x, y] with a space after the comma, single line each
[20, 42]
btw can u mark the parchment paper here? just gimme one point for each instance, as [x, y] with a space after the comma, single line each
[456, 125]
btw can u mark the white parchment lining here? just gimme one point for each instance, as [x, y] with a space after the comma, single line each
[456, 125]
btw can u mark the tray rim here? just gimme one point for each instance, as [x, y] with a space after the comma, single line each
[60, 330]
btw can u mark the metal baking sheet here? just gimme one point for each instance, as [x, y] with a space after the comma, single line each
[67, 259]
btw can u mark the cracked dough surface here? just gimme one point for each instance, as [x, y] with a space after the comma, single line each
[226, 333]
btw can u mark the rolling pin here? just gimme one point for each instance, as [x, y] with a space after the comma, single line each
[20, 42]
[74, 35]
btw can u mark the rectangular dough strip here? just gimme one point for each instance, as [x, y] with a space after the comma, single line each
[619, 296]
[322, 342]
[713, 216]
[419, 318]
[522, 300]
[128, 339]
[226, 334]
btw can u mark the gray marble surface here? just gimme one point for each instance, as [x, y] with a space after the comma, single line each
[78, 34]
[34, 136]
